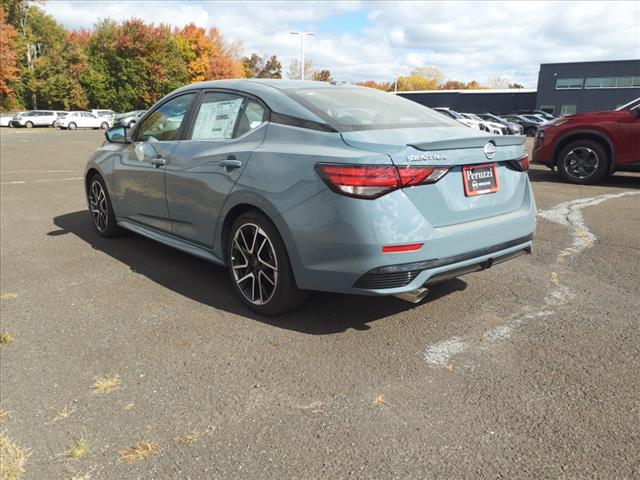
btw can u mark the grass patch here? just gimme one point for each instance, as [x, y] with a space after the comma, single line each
[190, 437]
[64, 413]
[6, 338]
[106, 385]
[8, 296]
[139, 451]
[12, 459]
[379, 400]
[79, 450]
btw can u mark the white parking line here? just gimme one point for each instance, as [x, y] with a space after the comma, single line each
[565, 213]
[570, 214]
[43, 180]
[10, 172]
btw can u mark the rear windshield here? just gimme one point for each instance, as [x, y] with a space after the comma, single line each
[351, 109]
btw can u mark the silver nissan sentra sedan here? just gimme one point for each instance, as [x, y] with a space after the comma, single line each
[298, 186]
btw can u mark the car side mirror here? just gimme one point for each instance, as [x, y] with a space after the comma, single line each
[117, 135]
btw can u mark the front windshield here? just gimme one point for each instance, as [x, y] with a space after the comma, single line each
[533, 119]
[473, 117]
[359, 108]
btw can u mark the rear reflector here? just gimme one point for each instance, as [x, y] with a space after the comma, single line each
[410, 247]
[372, 181]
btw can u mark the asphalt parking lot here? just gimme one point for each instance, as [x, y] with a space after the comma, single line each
[528, 370]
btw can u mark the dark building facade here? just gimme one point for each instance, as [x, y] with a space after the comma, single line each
[565, 88]
[499, 102]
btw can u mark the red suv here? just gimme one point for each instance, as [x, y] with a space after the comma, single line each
[586, 147]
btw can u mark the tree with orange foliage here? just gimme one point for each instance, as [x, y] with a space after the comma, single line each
[8, 61]
[225, 61]
[196, 49]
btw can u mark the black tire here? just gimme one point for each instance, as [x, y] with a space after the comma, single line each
[110, 228]
[104, 125]
[72, 126]
[285, 294]
[583, 162]
[29, 124]
[531, 132]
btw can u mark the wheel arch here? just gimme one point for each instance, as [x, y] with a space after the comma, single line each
[592, 135]
[232, 212]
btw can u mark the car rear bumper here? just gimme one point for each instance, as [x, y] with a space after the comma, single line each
[341, 251]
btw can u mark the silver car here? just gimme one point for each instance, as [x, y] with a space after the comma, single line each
[298, 186]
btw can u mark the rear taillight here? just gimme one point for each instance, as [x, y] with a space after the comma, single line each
[372, 181]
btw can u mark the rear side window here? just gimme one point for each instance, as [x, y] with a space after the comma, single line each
[223, 116]
[351, 109]
[164, 123]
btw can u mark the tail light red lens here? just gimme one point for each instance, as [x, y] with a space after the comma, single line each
[524, 163]
[372, 181]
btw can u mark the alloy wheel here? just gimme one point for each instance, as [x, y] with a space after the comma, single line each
[98, 206]
[581, 162]
[254, 264]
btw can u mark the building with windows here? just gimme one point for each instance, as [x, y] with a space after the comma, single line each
[565, 88]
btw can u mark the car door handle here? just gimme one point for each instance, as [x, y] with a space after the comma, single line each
[231, 164]
[158, 162]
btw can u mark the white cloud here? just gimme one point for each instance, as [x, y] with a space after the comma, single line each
[466, 40]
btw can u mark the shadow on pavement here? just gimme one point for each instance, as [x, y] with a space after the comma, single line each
[199, 280]
[626, 181]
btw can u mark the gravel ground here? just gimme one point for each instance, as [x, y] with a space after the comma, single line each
[529, 370]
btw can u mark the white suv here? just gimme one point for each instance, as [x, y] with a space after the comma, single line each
[34, 118]
[75, 120]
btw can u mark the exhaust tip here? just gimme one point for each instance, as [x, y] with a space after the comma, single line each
[415, 296]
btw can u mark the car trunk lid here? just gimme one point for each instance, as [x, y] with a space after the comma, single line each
[446, 202]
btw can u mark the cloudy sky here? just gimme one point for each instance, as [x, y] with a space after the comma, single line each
[372, 40]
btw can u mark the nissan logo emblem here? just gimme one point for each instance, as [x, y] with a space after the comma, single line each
[490, 150]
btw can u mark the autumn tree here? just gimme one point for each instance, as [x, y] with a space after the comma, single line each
[497, 82]
[421, 78]
[196, 50]
[8, 62]
[294, 69]
[321, 76]
[132, 64]
[256, 66]
[225, 61]
[453, 85]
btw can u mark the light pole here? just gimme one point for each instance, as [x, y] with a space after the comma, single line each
[395, 83]
[302, 35]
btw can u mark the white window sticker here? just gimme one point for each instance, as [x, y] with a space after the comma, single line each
[216, 120]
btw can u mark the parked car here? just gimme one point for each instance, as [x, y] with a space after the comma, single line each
[104, 113]
[465, 121]
[493, 127]
[128, 119]
[298, 186]
[585, 147]
[529, 126]
[34, 118]
[513, 128]
[75, 120]
[540, 113]
[62, 114]
[536, 118]
[5, 118]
